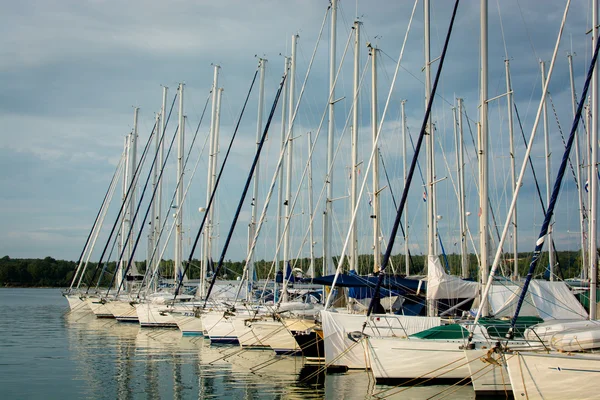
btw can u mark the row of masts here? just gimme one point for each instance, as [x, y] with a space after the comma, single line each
[284, 206]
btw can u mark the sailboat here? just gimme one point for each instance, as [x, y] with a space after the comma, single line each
[566, 369]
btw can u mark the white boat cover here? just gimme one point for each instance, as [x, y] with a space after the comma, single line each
[577, 339]
[546, 330]
[547, 300]
[440, 285]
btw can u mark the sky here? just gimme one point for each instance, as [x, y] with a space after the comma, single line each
[72, 71]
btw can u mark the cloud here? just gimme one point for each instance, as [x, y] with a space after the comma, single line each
[72, 70]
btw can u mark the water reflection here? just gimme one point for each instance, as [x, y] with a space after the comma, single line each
[49, 354]
[123, 361]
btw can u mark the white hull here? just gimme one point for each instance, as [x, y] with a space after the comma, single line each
[245, 334]
[277, 334]
[554, 376]
[122, 310]
[341, 351]
[151, 315]
[77, 303]
[219, 327]
[98, 307]
[431, 361]
[488, 372]
[188, 322]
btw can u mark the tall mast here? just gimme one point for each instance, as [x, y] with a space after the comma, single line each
[284, 97]
[353, 251]
[131, 180]
[261, 95]
[311, 268]
[484, 150]
[161, 156]
[132, 177]
[431, 248]
[513, 171]
[375, 216]
[328, 228]
[179, 219]
[157, 166]
[214, 168]
[289, 160]
[594, 174]
[122, 243]
[548, 179]
[405, 169]
[582, 211]
[464, 257]
[206, 251]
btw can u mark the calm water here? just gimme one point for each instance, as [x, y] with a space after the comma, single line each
[48, 353]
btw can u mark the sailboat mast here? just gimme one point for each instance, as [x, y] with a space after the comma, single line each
[214, 168]
[311, 268]
[289, 160]
[431, 248]
[582, 211]
[594, 175]
[547, 162]
[429, 143]
[374, 123]
[286, 64]
[353, 251]
[161, 157]
[513, 170]
[206, 253]
[133, 201]
[484, 151]
[179, 198]
[464, 257]
[122, 243]
[157, 166]
[328, 228]
[261, 95]
[405, 172]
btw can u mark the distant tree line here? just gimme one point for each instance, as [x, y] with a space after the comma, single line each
[49, 272]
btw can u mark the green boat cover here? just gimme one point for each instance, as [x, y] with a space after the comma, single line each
[495, 327]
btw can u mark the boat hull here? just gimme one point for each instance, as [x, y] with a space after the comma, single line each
[153, 315]
[77, 303]
[398, 361]
[554, 375]
[342, 351]
[98, 307]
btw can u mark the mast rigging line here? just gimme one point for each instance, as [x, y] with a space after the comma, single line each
[87, 241]
[562, 136]
[388, 251]
[283, 148]
[102, 218]
[267, 201]
[387, 103]
[179, 182]
[173, 198]
[305, 171]
[215, 187]
[246, 187]
[387, 178]
[555, 191]
[323, 189]
[126, 200]
[537, 184]
[522, 171]
[155, 189]
[129, 190]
